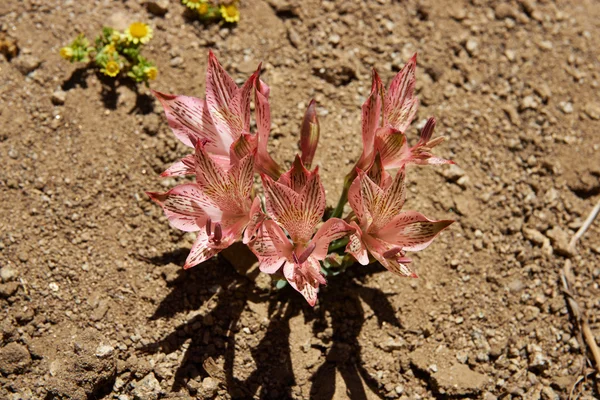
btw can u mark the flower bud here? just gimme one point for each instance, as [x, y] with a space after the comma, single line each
[309, 135]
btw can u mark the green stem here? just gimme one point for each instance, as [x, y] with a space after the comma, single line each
[339, 209]
[338, 244]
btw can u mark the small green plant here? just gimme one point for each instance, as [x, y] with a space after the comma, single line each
[115, 52]
[215, 9]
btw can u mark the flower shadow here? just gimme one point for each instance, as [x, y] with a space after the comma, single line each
[215, 296]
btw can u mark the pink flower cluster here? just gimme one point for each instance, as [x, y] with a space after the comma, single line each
[286, 231]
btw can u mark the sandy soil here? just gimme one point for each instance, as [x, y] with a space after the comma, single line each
[93, 299]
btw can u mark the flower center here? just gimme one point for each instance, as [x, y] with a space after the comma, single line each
[138, 30]
[112, 67]
[231, 11]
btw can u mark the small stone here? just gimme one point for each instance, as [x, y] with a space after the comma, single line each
[294, 38]
[534, 236]
[453, 173]
[392, 344]
[592, 110]
[209, 387]
[560, 241]
[505, 10]
[566, 107]
[14, 358]
[176, 62]
[334, 39]
[147, 389]
[8, 274]
[100, 311]
[516, 286]
[549, 394]
[472, 45]
[27, 63]
[158, 7]
[459, 380]
[104, 350]
[59, 97]
[529, 103]
[399, 389]
[8, 289]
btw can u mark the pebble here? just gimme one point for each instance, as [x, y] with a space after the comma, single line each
[8, 289]
[59, 97]
[472, 46]
[176, 61]
[148, 388]
[209, 387]
[14, 358]
[104, 350]
[27, 63]
[592, 110]
[566, 107]
[505, 10]
[8, 274]
[158, 7]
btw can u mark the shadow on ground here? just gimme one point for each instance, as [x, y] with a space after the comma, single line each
[216, 295]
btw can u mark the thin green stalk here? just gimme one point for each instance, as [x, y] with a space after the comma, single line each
[338, 244]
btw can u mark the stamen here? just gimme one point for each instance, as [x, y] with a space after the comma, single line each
[306, 253]
[218, 233]
[392, 252]
[295, 258]
[208, 227]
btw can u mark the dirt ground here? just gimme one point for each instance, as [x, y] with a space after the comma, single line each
[94, 301]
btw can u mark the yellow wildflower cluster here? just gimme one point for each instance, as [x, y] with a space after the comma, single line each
[115, 52]
[215, 9]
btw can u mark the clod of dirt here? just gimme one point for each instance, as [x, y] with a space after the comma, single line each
[158, 7]
[27, 63]
[8, 47]
[14, 359]
[446, 375]
[337, 74]
[148, 388]
[458, 380]
[80, 363]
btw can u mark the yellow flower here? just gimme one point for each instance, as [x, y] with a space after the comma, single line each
[66, 53]
[230, 13]
[138, 32]
[116, 37]
[111, 69]
[151, 72]
[203, 9]
[110, 48]
[193, 4]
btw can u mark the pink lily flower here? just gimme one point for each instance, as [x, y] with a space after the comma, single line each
[218, 206]
[296, 203]
[221, 121]
[382, 229]
[399, 110]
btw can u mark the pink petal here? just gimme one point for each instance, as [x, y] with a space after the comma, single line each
[400, 103]
[371, 115]
[280, 201]
[306, 282]
[392, 147]
[296, 177]
[372, 196]
[264, 163]
[185, 166]
[331, 230]
[240, 104]
[355, 200]
[186, 207]
[220, 92]
[412, 231]
[246, 144]
[390, 203]
[256, 219]
[189, 119]
[201, 251]
[356, 247]
[312, 206]
[378, 248]
[272, 247]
